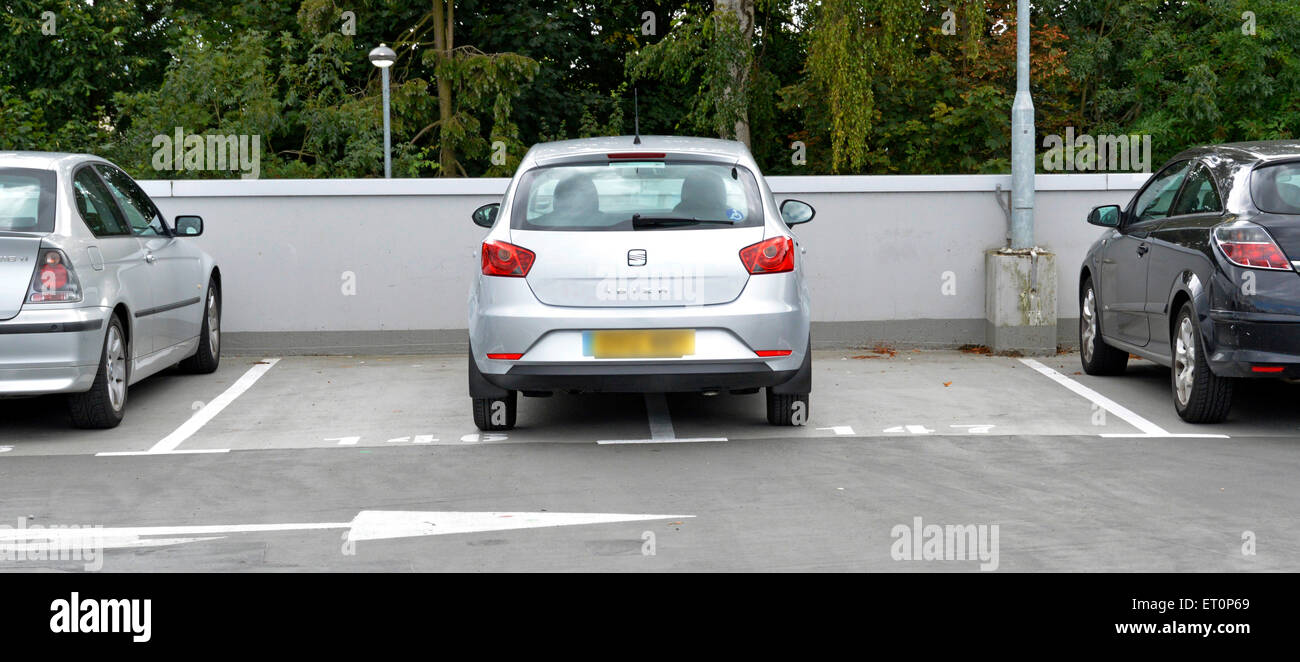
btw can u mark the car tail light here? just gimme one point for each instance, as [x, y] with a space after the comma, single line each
[772, 352]
[502, 259]
[769, 257]
[505, 357]
[1248, 245]
[1267, 368]
[55, 281]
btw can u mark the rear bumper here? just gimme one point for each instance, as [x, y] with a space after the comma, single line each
[640, 378]
[1245, 341]
[51, 351]
[770, 314]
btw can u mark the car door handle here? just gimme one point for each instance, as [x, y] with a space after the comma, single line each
[150, 258]
[1142, 249]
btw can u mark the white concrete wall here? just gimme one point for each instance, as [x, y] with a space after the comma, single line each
[877, 250]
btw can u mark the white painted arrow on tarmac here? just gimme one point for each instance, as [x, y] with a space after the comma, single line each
[367, 525]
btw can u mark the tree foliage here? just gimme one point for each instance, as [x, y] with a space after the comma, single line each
[865, 86]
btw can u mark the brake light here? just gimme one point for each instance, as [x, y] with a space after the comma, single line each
[505, 357]
[772, 352]
[509, 260]
[769, 257]
[55, 281]
[635, 155]
[1267, 368]
[1248, 245]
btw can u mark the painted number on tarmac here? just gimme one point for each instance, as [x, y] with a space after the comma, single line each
[909, 429]
[417, 439]
[477, 437]
[975, 429]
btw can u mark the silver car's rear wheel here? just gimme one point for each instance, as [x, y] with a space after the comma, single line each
[115, 366]
[103, 405]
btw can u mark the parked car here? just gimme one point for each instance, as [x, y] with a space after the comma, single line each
[653, 264]
[97, 291]
[1194, 274]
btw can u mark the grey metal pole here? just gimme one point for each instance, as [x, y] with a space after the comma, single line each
[1022, 139]
[388, 148]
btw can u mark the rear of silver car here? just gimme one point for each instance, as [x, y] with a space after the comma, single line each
[53, 347]
[660, 267]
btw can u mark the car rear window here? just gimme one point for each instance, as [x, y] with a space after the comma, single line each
[1276, 188]
[26, 200]
[607, 195]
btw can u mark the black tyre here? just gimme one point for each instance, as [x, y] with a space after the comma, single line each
[208, 357]
[104, 404]
[1098, 357]
[787, 409]
[495, 414]
[1200, 396]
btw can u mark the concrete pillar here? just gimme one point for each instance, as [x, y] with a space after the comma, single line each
[1020, 301]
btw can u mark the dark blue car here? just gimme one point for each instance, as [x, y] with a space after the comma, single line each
[1197, 274]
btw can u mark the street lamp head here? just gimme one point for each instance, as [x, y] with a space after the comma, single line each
[383, 56]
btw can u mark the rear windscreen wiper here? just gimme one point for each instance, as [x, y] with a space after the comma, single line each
[639, 221]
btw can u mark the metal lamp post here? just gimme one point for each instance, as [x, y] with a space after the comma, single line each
[1022, 139]
[384, 57]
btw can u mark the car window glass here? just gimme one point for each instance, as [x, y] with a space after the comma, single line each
[26, 200]
[1156, 199]
[1198, 195]
[1276, 188]
[606, 196]
[95, 204]
[140, 212]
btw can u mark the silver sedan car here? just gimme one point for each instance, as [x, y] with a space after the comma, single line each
[97, 291]
[654, 264]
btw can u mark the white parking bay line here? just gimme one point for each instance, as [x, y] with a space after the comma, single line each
[661, 425]
[1149, 429]
[171, 442]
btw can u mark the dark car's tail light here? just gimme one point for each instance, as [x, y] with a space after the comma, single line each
[769, 257]
[1249, 245]
[55, 281]
[503, 259]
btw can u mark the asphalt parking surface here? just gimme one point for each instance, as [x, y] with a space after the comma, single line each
[373, 463]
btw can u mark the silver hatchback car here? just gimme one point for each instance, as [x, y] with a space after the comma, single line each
[97, 291]
[652, 264]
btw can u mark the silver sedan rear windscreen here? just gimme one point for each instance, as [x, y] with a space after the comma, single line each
[637, 195]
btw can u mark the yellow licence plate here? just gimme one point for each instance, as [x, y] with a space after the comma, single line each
[642, 344]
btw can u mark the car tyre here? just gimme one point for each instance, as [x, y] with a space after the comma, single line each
[207, 358]
[787, 409]
[104, 404]
[1098, 358]
[496, 414]
[1200, 396]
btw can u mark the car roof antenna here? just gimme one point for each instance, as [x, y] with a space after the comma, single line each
[636, 117]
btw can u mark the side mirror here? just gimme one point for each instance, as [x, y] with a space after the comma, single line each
[486, 215]
[796, 211]
[1107, 216]
[189, 226]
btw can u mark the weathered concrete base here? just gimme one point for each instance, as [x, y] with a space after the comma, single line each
[1020, 301]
